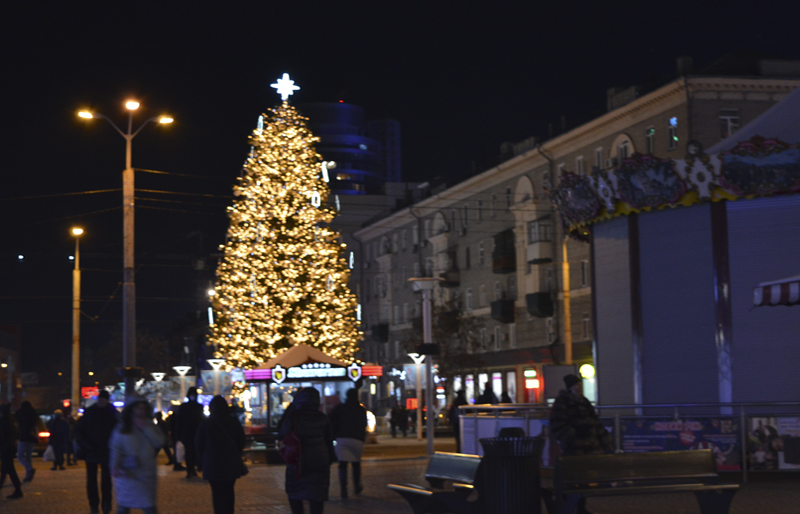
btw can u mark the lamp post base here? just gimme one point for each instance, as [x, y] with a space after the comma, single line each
[130, 376]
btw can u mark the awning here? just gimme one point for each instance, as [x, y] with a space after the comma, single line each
[778, 292]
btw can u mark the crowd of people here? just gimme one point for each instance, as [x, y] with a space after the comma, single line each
[123, 448]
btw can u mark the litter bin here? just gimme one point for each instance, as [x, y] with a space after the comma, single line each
[511, 482]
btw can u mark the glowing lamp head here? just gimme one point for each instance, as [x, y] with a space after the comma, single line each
[165, 120]
[586, 371]
[86, 114]
[3, 365]
[211, 292]
[76, 231]
[131, 105]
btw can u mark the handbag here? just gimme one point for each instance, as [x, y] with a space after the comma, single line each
[49, 454]
[290, 447]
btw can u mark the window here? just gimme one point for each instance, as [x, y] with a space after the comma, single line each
[512, 287]
[480, 211]
[397, 319]
[427, 228]
[385, 317]
[623, 150]
[395, 243]
[467, 262]
[512, 335]
[551, 329]
[493, 204]
[650, 141]
[453, 220]
[468, 302]
[429, 267]
[416, 269]
[406, 313]
[484, 338]
[549, 283]
[729, 122]
[540, 230]
[498, 334]
[482, 296]
[586, 326]
[404, 276]
[397, 350]
[369, 291]
[598, 157]
[672, 134]
[498, 291]
[508, 197]
[481, 255]
[561, 169]
[415, 235]
[584, 273]
[404, 239]
[579, 165]
[466, 215]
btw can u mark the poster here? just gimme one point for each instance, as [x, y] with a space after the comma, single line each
[773, 443]
[720, 434]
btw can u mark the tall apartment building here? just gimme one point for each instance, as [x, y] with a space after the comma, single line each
[497, 243]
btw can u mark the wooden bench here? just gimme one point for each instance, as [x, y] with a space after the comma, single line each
[639, 473]
[452, 478]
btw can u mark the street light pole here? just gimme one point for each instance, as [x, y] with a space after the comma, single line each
[418, 360]
[76, 321]
[427, 348]
[131, 372]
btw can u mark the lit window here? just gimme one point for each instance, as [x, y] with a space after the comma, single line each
[469, 299]
[598, 157]
[480, 210]
[579, 165]
[729, 122]
[584, 273]
[498, 334]
[481, 254]
[586, 326]
[623, 150]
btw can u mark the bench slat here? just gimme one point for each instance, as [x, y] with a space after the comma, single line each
[651, 489]
[692, 464]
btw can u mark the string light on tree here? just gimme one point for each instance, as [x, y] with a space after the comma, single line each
[283, 276]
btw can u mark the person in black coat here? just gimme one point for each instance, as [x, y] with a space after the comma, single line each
[28, 428]
[92, 433]
[310, 479]
[454, 415]
[190, 415]
[172, 424]
[219, 442]
[8, 446]
[349, 422]
[59, 438]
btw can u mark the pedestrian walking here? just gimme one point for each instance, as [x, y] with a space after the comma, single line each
[220, 441]
[454, 414]
[172, 425]
[487, 396]
[8, 445]
[158, 419]
[190, 415]
[71, 459]
[92, 435]
[308, 480]
[28, 428]
[132, 457]
[575, 425]
[349, 422]
[59, 438]
[399, 420]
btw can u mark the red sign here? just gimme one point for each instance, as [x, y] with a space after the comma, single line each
[372, 371]
[90, 392]
[411, 403]
[66, 403]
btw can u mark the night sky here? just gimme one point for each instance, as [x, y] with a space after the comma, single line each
[460, 77]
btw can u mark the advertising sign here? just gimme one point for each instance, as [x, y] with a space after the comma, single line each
[773, 443]
[668, 434]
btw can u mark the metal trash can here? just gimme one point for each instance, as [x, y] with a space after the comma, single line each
[511, 481]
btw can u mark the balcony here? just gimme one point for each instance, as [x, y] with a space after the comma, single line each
[504, 257]
[452, 278]
[540, 253]
[539, 304]
[503, 311]
[503, 264]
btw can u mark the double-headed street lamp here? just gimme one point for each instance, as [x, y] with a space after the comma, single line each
[76, 320]
[128, 283]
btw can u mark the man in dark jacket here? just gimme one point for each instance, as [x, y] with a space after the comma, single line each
[574, 423]
[190, 415]
[8, 445]
[349, 421]
[28, 427]
[59, 438]
[92, 433]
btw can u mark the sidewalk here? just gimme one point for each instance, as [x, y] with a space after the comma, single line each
[389, 461]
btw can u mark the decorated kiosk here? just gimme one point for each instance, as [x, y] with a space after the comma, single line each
[272, 385]
[678, 247]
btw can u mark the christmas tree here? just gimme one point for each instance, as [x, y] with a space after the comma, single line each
[283, 277]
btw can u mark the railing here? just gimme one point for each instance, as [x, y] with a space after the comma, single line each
[767, 434]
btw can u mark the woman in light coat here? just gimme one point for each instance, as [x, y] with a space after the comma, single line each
[133, 457]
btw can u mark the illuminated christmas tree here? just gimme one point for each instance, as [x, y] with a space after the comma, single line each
[283, 277]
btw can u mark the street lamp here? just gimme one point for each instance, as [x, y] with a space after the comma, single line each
[131, 373]
[76, 319]
[216, 364]
[418, 360]
[158, 376]
[182, 371]
[427, 348]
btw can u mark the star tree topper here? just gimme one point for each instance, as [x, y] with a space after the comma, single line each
[285, 86]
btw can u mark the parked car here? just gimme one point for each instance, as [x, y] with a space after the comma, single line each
[44, 435]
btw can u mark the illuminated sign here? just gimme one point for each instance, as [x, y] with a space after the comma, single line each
[411, 403]
[314, 372]
[279, 374]
[89, 392]
[354, 372]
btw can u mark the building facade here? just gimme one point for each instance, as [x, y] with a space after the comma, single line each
[496, 241]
